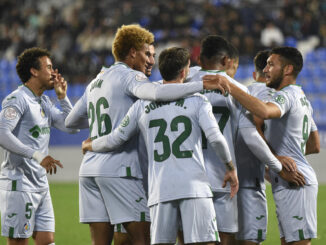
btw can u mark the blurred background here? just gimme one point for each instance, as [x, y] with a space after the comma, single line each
[79, 34]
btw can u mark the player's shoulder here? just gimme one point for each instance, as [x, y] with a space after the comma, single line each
[197, 97]
[17, 96]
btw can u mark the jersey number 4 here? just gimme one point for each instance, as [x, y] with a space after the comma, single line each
[164, 139]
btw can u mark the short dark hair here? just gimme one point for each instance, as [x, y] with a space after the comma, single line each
[171, 61]
[260, 61]
[213, 48]
[290, 56]
[30, 58]
[233, 52]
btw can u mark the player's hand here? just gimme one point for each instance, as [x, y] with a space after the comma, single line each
[293, 177]
[60, 85]
[288, 163]
[219, 82]
[50, 164]
[87, 145]
[232, 177]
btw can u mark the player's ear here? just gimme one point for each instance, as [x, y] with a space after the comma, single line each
[132, 52]
[288, 70]
[254, 75]
[34, 72]
[225, 61]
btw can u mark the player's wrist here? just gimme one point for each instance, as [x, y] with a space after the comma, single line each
[38, 156]
[229, 166]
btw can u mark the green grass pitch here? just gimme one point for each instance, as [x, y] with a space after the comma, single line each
[70, 231]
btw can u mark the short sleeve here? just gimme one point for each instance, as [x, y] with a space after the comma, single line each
[282, 100]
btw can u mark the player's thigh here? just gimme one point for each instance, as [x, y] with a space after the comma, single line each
[44, 215]
[17, 214]
[198, 220]
[91, 203]
[296, 210]
[43, 237]
[226, 210]
[165, 218]
[125, 199]
[252, 215]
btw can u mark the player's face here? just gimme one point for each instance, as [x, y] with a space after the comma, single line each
[142, 60]
[274, 71]
[234, 64]
[46, 73]
[151, 63]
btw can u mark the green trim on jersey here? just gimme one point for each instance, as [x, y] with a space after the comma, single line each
[212, 71]
[14, 185]
[217, 236]
[301, 235]
[291, 85]
[142, 216]
[11, 232]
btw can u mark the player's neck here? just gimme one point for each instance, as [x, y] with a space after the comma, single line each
[286, 82]
[213, 67]
[173, 81]
[35, 88]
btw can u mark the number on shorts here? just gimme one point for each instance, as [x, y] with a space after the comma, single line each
[28, 210]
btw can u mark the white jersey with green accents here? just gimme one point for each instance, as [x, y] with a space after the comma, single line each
[108, 98]
[230, 116]
[250, 169]
[25, 122]
[172, 133]
[288, 135]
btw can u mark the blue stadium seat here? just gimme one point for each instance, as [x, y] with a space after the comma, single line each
[290, 41]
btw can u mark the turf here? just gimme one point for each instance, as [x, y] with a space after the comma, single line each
[70, 231]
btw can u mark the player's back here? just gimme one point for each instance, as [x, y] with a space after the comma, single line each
[108, 100]
[288, 135]
[227, 113]
[172, 132]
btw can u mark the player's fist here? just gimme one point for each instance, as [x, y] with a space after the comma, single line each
[87, 145]
[60, 85]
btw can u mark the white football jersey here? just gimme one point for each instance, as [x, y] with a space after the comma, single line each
[172, 133]
[29, 118]
[288, 135]
[230, 116]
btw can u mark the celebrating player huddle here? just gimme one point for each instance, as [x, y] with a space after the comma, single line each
[166, 159]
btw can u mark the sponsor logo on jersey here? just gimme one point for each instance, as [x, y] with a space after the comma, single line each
[140, 77]
[125, 121]
[280, 99]
[10, 113]
[36, 131]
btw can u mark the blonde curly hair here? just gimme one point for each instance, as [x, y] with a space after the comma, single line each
[130, 36]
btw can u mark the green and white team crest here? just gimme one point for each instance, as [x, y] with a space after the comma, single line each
[36, 131]
[280, 99]
[125, 121]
